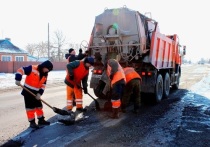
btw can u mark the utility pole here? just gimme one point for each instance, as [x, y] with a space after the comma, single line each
[48, 42]
[2, 33]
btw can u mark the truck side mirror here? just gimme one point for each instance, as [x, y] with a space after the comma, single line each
[184, 50]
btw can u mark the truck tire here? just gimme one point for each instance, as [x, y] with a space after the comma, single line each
[159, 89]
[166, 85]
[178, 71]
[98, 90]
[176, 86]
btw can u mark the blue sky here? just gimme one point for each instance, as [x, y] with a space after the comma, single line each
[26, 21]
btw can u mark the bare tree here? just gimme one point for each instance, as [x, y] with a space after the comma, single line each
[57, 47]
[42, 49]
[39, 50]
[58, 43]
[75, 46]
[31, 48]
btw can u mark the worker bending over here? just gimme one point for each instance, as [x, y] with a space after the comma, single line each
[132, 89]
[117, 78]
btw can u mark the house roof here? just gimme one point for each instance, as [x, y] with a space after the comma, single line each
[30, 57]
[7, 47]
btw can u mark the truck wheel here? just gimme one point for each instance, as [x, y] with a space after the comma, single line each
[159, 89]
[176, 86]
[166, 86]
[98, 89]
[178, 72]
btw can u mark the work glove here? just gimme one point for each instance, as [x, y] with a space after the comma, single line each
[38, 96]
[85, 90]
[71, 77]
[17, 83]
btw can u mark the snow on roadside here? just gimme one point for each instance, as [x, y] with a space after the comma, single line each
[7, 80]
[202, 87]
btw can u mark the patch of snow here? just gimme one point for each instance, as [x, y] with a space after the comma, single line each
[184, 65]
[8, 79]
[202, 87]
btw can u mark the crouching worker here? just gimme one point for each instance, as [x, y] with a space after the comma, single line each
[132, 88]
[77, 72]
[117, 78]
[35, 81]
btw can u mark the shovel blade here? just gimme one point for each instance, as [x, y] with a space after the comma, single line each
[60, 111]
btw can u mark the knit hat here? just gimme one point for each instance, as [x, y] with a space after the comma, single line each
[70, 50]
[89, 60]
[47, 64]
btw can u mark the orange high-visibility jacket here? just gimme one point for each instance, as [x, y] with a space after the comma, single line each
[32, 80]
[130, 74]
[118, 74]
[79, 73]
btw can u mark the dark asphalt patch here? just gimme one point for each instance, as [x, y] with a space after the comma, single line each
[12, 143]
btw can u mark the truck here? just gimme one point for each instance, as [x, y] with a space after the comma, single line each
[135, 40]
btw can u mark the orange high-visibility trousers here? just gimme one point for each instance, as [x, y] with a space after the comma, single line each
[70, 95]
[31, 113]
[39, 112]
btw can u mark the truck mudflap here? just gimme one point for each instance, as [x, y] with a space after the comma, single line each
[148, 84]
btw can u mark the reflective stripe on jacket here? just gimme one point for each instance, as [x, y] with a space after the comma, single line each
[33, 81]
[21, 72]
[118, 75]
[79, 73]
[130, 74]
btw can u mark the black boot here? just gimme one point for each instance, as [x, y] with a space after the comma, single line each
[42, 122]
[33, 124]
[115, 113]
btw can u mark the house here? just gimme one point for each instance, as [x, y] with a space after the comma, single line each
[32, 58]
[42, 59]
[9, 52]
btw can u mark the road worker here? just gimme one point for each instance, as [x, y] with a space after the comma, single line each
[72, 55]
[117, 78]
[132, 89]
[35, 81]
[77, 72]
[82, 55]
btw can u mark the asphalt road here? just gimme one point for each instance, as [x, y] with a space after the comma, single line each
[181, 120]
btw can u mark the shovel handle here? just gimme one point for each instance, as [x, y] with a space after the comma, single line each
[96, 102]
[35, 96]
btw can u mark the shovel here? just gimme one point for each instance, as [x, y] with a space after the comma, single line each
[56, 110]
[96, 102]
